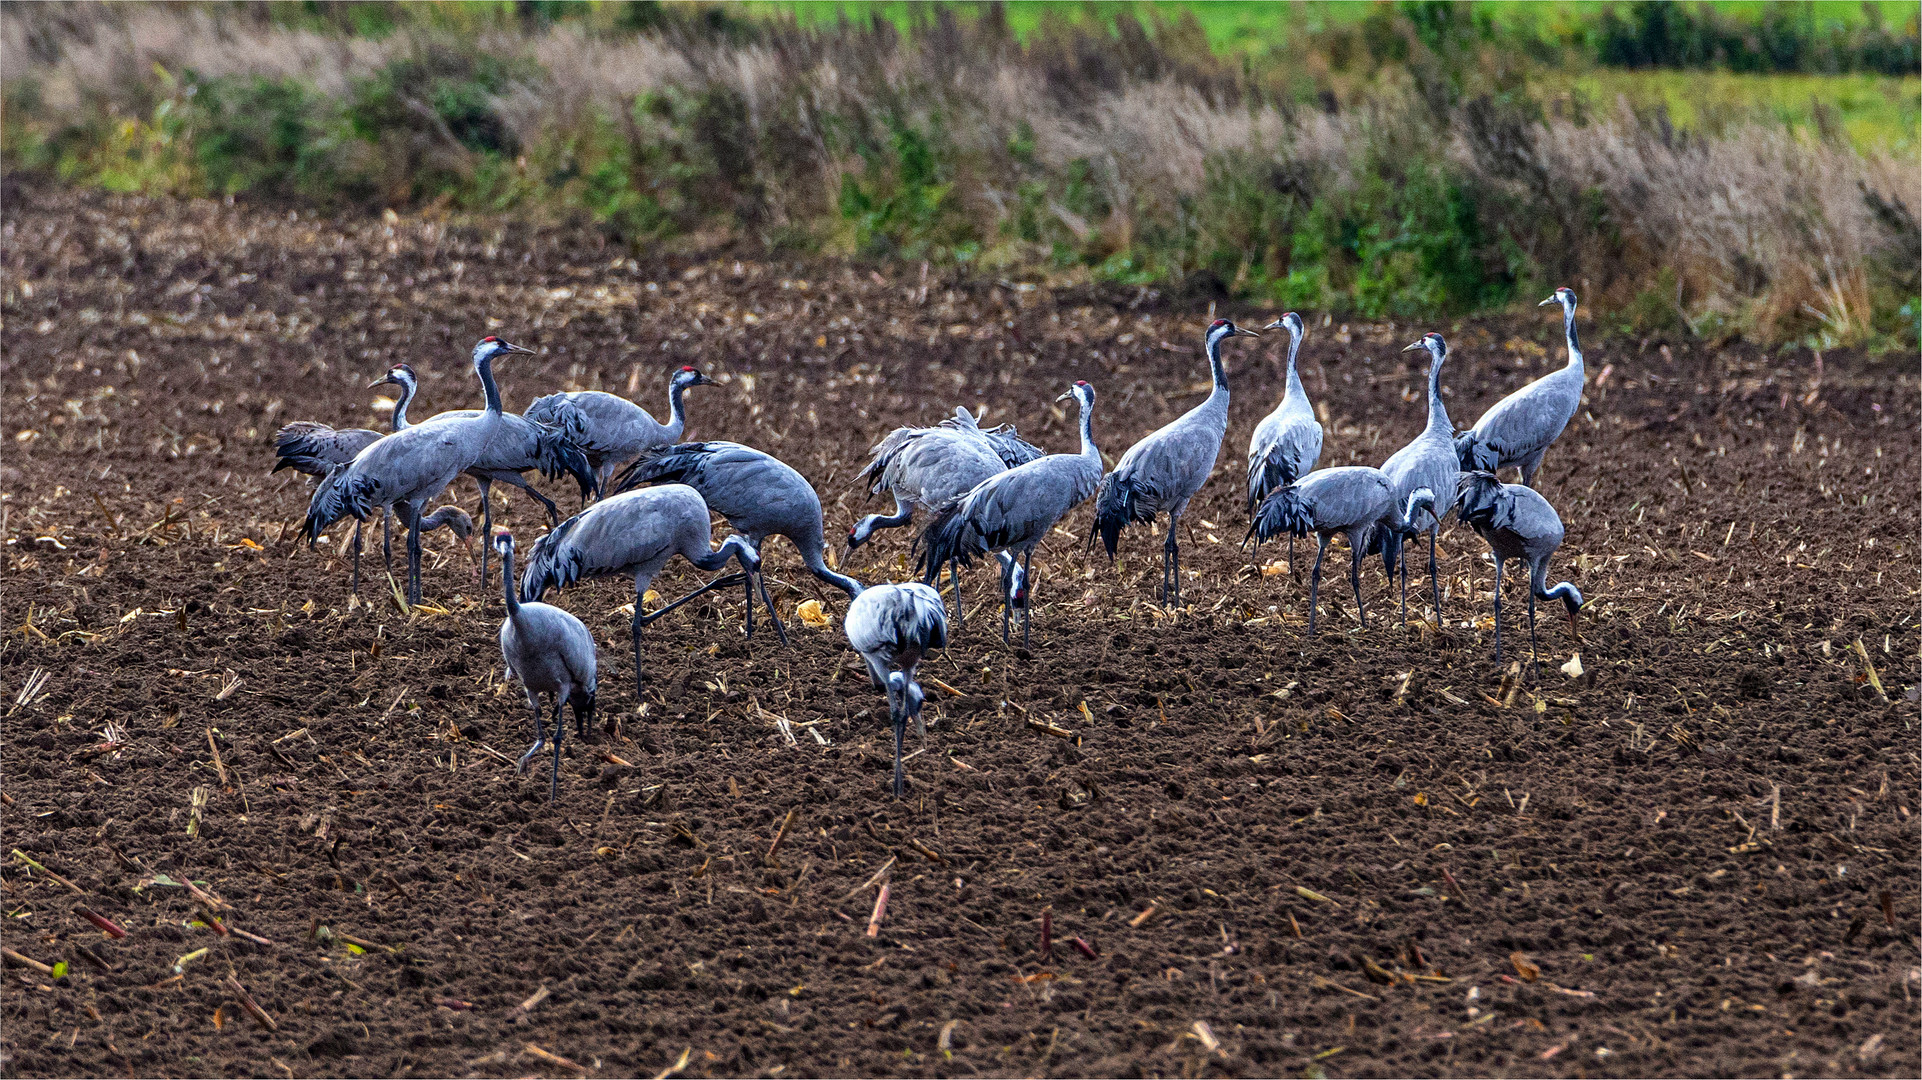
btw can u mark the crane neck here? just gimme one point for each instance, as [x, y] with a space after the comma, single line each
[507, 579]
[1574, 345]
[818, 566]
[1295, 389]
[484, 367]
[1088, 448]
[1437, 411]
[407, 389]
[676, 411]
[1216, 369]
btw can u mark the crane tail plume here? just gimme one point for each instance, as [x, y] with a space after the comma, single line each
[666, 464]
[1121, 502]
[948, 538]
[339, 494]
[552, 563]
[1283, 513]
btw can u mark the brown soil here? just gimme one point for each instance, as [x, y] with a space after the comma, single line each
[1283, 857]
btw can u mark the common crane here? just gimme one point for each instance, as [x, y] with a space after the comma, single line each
[1013, 511]
[893, 627]
[550, 652]
[1287, 442]
[612, 430]
[1355, 501]
[1518, 523]
[1163, 471]
[1427, 462]
[1517, 431]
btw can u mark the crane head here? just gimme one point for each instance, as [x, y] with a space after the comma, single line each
[398, 375]
[1081, 391]
[1564, 296]
[503, 542]
[1433, 343]
[1290, 322]
[688, 376]
[490, 346]
[1221, 330]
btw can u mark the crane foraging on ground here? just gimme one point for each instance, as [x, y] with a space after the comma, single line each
[759, 495]
[1517, 430]
[1518, 523]
[1355, 501]
[634, 534]
[612, 430]
[933, 467]
[313, 448]
[893, 627]
[1012, 512]
[1287, 442]
[1429, 462]
[411, 467]
[550, 652]
[1163, 471]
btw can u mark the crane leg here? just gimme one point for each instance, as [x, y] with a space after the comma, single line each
[1404, 577]
[413, 557]
[761, 582]
[1498, 611]
[1534, 646]
[1171, 566]
[1027, 608]
[1434, 579]
[1314, 585]
[553, 512]
[583, 714]
[554, 782]
[540, 735]
[638, 622]
[749, 587]
[387, 537]
[898, 720]
[356, 584]
[1293, 571]
[487, 524]
[954, 582]
[1007, 610]
[1354, 578]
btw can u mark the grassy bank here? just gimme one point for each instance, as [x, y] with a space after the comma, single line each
[1368, 159]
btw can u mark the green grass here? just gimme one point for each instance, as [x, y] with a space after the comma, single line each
[1872, 112]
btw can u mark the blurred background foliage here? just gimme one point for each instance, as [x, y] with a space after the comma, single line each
[1694, 169]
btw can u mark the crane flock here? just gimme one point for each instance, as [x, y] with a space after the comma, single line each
[987, 491]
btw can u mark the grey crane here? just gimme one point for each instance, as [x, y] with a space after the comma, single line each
[1013, 511]
[519, 446]
[1518, 523]
[932, 467]
[893, 627]
[1517, 430]
[411, 467]
[758, 494]
[313, 448]
[550, 652]
[1163, 471]
[1429, 461]
[1355, 501]
[612, 430]
[1287, 442]
[634, 534]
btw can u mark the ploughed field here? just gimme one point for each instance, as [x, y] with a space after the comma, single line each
[1376, 853]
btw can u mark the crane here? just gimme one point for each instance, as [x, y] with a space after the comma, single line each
[634, 534]
[1429, 461]
[1517, 431]
[1163, 471]
[550, 652]
[612, 430]
[1518, 523]
[411, 466]
[932, 467]
[758, 494]
[313, 448]
[893, 627]
[1013, 511]
[1287, 442]
[1355, 501]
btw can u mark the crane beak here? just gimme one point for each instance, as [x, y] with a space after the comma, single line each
[511, 347]
[1550, 300]
[1065, 395]
[1276, 325]
[1242, 331]
[1411, 348]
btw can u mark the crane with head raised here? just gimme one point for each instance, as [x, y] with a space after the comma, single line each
[1163, 471]
[1518, 523]
[1010, 513]
[550, 652]
[612, 430]
[1429, 462]
[1287, 442]
[893, 627]
[634, 534]
[1517, 431]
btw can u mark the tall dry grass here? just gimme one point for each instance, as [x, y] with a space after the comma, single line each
[1101, 147]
